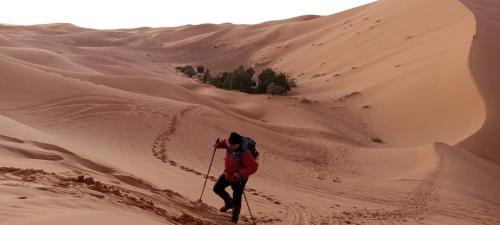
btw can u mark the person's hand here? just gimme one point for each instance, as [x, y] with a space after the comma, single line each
[220, 143]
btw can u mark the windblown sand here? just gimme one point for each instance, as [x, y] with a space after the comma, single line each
[97, 127]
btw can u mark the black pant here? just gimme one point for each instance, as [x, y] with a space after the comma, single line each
[238, 188]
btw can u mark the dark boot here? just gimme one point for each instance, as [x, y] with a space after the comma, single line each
[236, 214]
[235, 219]
[238, 189]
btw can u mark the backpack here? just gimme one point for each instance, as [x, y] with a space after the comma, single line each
[249, 144]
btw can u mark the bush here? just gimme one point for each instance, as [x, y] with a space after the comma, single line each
[282, 81]
[291, 84]
[266, 77]
[241, 79]
[200, 69]
[216, 81]
[272, 83]
[206, 76]
[188, 70]
[275, 89]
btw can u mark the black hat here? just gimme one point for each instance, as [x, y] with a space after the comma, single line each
[235, 138]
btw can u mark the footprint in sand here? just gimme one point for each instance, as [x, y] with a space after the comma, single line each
[159, 148]
[159, 151]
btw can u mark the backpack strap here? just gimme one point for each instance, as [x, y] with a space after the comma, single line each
[244, 143]
[238, 155]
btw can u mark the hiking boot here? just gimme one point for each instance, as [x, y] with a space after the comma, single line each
[234, 219]
[236, 215]
[226, 207]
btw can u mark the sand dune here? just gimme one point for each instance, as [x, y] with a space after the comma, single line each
[97, 125]
[483, 60]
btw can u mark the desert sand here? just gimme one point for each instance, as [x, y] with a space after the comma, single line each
[97, 127]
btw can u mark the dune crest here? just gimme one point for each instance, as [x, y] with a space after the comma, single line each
[393, 120]
[484, 65]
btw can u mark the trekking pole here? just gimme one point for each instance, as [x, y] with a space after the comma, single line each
[209, 167]
[248, 206]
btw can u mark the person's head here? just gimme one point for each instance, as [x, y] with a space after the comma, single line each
[234, 141]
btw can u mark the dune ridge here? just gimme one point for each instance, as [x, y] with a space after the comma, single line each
[100, 125]
[483, 62]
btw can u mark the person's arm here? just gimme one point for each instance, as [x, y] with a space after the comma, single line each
[249, 165]
[221, 144]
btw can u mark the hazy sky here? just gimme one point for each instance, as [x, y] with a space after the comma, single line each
[162, 13]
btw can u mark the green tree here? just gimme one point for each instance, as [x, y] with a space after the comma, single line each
[282, 81]
[246, 82]
[227, 80]
[266, 77]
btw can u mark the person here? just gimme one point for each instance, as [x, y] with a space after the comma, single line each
[239, 165]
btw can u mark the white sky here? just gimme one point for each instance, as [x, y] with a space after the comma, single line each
[162, 13]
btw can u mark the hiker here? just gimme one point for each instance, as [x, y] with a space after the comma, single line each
[240, 163]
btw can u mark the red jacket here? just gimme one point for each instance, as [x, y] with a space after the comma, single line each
[240, 161]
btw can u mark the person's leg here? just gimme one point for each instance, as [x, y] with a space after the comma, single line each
[220, 189]
[238, 189]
